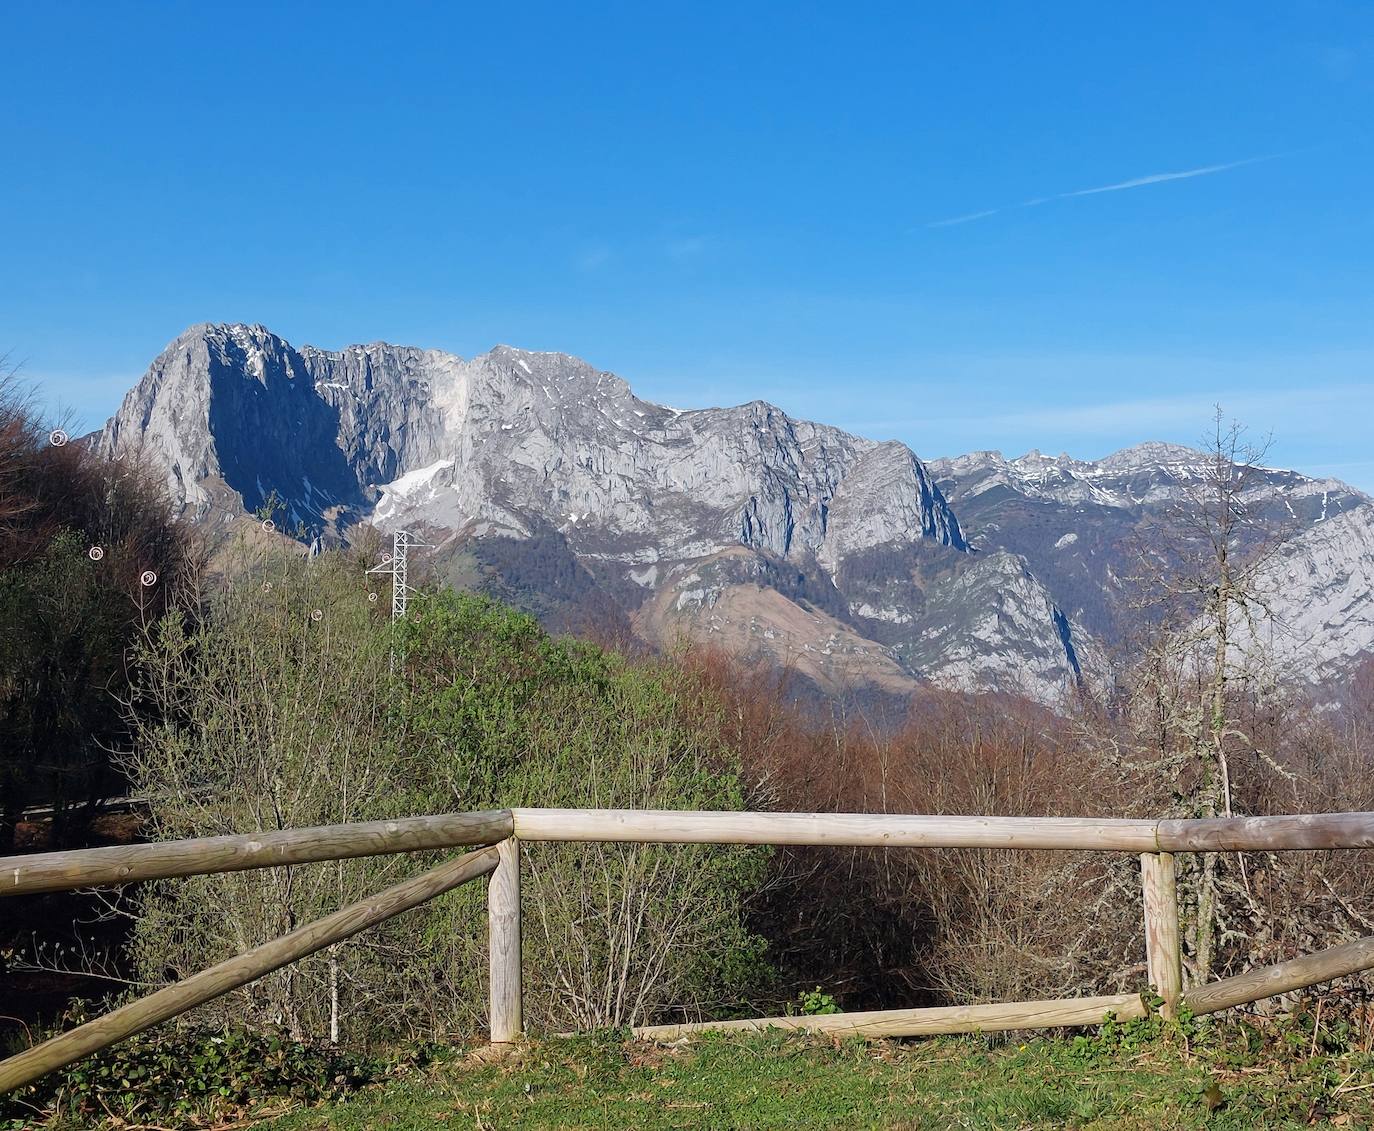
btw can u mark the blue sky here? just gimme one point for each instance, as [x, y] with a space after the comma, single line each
[722, 202]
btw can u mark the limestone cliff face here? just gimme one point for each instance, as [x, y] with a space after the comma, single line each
[886, 498]
[740, 523]
[1318, 590]
[511, 440]
[1074, 523]
[985, 628]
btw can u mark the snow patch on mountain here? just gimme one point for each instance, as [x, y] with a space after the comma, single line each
[414, 488]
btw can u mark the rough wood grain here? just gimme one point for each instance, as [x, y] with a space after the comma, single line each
[93, 867]
[1163, 950]
[893, 830]
[234, 972]
[922, 1022]
[1256, 834]
[1336, 962]
[503, 917]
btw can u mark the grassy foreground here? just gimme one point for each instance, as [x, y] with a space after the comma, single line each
[791, 1081]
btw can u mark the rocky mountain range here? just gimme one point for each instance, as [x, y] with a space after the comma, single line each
[543, 479]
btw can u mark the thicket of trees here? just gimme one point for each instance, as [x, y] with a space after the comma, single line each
[899, 926]
[281, 706]
[89, 555]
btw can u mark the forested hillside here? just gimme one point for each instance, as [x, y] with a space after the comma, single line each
[273, 691]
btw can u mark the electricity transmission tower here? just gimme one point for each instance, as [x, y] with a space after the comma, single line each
[397, 565]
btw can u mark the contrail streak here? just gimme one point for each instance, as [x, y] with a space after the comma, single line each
[1135, 182]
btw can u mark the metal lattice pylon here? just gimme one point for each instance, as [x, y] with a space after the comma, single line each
[398, 566]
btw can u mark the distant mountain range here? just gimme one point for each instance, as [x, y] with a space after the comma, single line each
[548, 482]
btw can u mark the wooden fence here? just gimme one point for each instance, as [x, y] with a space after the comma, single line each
[496, 836]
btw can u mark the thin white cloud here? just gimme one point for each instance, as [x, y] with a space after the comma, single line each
[1157, 178]
[1134, 182]
[965, 219]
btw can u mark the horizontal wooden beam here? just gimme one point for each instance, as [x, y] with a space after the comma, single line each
[1065, 1013]
[1296, 974]
[672, 826]
[1268, 834]
[199, 988]
[94, 867]
[682, 826]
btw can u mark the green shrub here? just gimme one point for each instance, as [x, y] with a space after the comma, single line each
[614, 933]
[200, 1074]
[266, 715]
[817, 1003]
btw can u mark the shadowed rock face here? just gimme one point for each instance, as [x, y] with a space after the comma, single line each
[238, 407]
[738, 524]
[511, 439]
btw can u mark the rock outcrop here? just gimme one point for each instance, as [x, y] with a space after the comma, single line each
[548, 479]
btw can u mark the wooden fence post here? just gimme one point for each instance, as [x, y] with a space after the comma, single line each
[1163, 954]
[503, 917]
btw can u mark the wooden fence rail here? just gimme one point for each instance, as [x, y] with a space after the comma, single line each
[96, 867]
[1283, 977]
[893, 830]
[176, 999]
[886, 830]
[502, 830]
[929, 1022]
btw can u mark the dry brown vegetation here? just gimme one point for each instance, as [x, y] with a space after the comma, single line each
[904, 926]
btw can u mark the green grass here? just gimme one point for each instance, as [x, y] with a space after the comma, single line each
[772, 1081]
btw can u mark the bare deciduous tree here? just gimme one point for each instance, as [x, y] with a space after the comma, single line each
[1204, 565]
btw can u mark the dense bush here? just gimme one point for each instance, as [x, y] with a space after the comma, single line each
[283, 706]
[506, 715]
[255, 715]
[195, 1078]
[883, 928]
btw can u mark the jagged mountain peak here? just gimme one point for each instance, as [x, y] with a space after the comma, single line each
[1136, 477]
[1151, 453]
[538, 466]
[511, 438]
[224, 331]
[559, 377]
[1035, 458]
